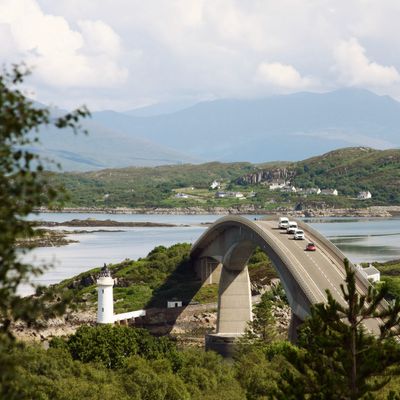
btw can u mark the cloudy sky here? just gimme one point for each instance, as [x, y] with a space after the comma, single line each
[121, 54]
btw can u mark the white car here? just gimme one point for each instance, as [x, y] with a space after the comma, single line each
[299, 234]
[283, 223]
[292, 227]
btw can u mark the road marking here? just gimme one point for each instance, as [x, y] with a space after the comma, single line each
[296, 261]
[324, 274]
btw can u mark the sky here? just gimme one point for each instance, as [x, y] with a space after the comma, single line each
[123, 54]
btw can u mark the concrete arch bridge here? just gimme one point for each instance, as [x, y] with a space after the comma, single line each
[221, 254]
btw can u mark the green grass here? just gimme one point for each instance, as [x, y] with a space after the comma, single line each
[164, 274]
[207, 294]
[390, 274]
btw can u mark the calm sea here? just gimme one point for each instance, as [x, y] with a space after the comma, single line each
[361, 240]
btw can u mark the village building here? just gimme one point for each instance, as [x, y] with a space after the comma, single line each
[312, 191]
[215, 185]
[237, 195]
[276, 185]
[364, 195]
[371, 273]
[288, 189]
[329, 192]
[174, 303]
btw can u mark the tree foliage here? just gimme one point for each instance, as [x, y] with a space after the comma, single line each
[112, 345]
[338, 357]
[23, 188]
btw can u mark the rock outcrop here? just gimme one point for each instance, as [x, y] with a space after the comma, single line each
[268, 175]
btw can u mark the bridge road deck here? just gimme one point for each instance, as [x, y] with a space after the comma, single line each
[321, 269]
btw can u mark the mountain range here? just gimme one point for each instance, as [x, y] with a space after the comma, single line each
[281, 127]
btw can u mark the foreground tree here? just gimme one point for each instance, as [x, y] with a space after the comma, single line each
[23, 188]
[338, 358]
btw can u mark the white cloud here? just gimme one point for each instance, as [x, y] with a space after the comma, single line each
[200, 48]
[282, 75]
[60, 55]
[355, 68]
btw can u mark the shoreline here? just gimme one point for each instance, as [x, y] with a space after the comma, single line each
[373, 211]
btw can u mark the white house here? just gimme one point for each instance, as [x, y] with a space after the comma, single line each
[329, 192]
[364, 195]
[215, 185]
[174, 303]
[277, 185]
[312, 191]
[288, 189]
[237, 195]
[371, 273]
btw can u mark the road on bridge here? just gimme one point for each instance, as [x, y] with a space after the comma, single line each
[320, 269]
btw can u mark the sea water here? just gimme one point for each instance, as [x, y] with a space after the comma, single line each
[361, 240]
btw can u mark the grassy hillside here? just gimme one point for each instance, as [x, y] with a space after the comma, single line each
[349, 170]
[144, 187]
[352, 170]
[164, 274]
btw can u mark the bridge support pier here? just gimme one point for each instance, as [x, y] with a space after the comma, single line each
[223, 344]
[234, 311]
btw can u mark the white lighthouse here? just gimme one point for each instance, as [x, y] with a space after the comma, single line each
[105, 300]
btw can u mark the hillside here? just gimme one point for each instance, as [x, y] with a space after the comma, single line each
[348, 170]
[143, 187]
[103, 147]
[165, 273]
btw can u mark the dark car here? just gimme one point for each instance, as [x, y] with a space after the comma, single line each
[311, 247]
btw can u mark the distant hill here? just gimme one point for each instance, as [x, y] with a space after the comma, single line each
[160, 108]
[104, 147]
[348, 170]
[286, 127]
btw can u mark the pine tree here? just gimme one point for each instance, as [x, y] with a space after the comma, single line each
[339, 358]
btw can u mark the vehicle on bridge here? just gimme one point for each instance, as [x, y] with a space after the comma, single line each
[311, 246]
[283, 223]
[299, 234]
[292, 227]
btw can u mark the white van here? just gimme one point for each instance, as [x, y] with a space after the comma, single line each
[299, 234]
[283, 223]
[292, 227]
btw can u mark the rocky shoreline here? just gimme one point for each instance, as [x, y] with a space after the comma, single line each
[373, 212]
[46, 238]
[91, 222]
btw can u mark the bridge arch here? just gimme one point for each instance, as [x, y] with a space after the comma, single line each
[230, 242]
